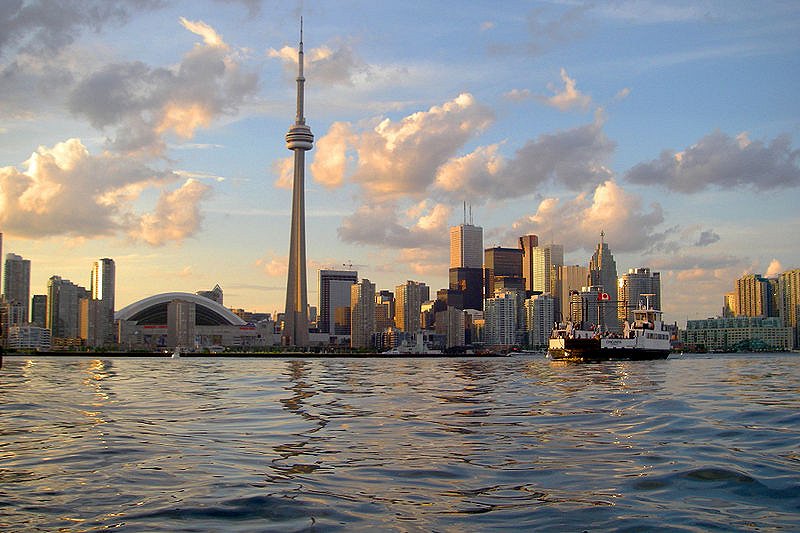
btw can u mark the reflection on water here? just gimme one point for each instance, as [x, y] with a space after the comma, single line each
[404, 444]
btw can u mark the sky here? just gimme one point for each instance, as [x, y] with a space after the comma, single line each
[152, 132]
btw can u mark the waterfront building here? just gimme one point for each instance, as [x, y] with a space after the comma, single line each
[11, 314]
[169, 320]
[603, 273]
[362, 313]
[450, 322]
[17, 284]
[632, 286]
[334, 296]
[63, 310]
[409, 298]
[103, 287]
[752, 296]
[502, 262]
[501, 316]
[738, 334]
[214, 294]
[28, 337]
[789, 302]
[299, 139]
[569, 279]
[540, 313]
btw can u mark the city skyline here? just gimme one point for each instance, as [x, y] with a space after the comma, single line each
[673, 129]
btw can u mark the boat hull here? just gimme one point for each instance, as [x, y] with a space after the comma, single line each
[594, 350]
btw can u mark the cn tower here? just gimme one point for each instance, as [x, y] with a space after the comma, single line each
[298, 139]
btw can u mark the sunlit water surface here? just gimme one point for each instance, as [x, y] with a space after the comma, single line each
[693, 444]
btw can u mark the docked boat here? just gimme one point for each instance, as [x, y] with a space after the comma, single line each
[646, 338]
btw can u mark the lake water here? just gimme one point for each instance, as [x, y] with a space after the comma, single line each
[518, 443]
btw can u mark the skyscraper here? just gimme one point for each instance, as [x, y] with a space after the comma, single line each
[570, 278]
[103, 288]
[362, 313]
[789, 302]
[539, 263]
[63, 308]
[603, 273]
[17, 283]
[409, 298]
[752, 296]
[299, 139]
[502, 262]
[334, 293]
[466, 267]
[632, 286]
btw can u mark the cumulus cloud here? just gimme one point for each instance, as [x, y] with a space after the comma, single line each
[627, 224]
[518, 95]
[423, 226]
[774, 269]
[567, 98]
[338, 65]
[575, 158]
[64, 190]
[273, 265]
[718, 160]
[398, 159]
[143, 104]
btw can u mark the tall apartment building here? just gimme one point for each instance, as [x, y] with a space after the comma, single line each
[384, 310]
[603, 273]
[499, 262]
[789, 302]
[540, 312]
[334, 293]
[752, 296]
[362, 313]
[17, 284]
[63, 308]
[103, 287]
[408, 303]
[501, 315]
[39, 310]
[632, 286]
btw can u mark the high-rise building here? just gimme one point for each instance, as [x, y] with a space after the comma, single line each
[789, 302]
[362, 313]
[501, 262]
[752, 296]
[466, 246]
[569, 279]
[539, 318]
[384, 310]
[299, 139]
[450, 323]
[63, 308]
[334, 293]
[632, 286]
[603, 273]
[17, 283]
[39, 310]
[540, 263]
[466, 288]
[729, 305]
[103, 287]
[501, 314]
[409, 298]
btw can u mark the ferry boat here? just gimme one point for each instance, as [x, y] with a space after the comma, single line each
[645, 339]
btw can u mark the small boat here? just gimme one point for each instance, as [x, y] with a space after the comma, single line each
[645, 339]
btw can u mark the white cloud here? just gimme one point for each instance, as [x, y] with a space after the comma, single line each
[518, 95]
[325, 65]
[64, 190]
[774, 269]
[568, 98]
[578, 222]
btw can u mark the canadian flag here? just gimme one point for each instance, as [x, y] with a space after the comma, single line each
[603, 296]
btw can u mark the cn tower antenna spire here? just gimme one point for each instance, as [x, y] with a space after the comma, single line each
[299, 139]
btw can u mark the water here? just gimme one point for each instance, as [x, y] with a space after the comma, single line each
[692, 444]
